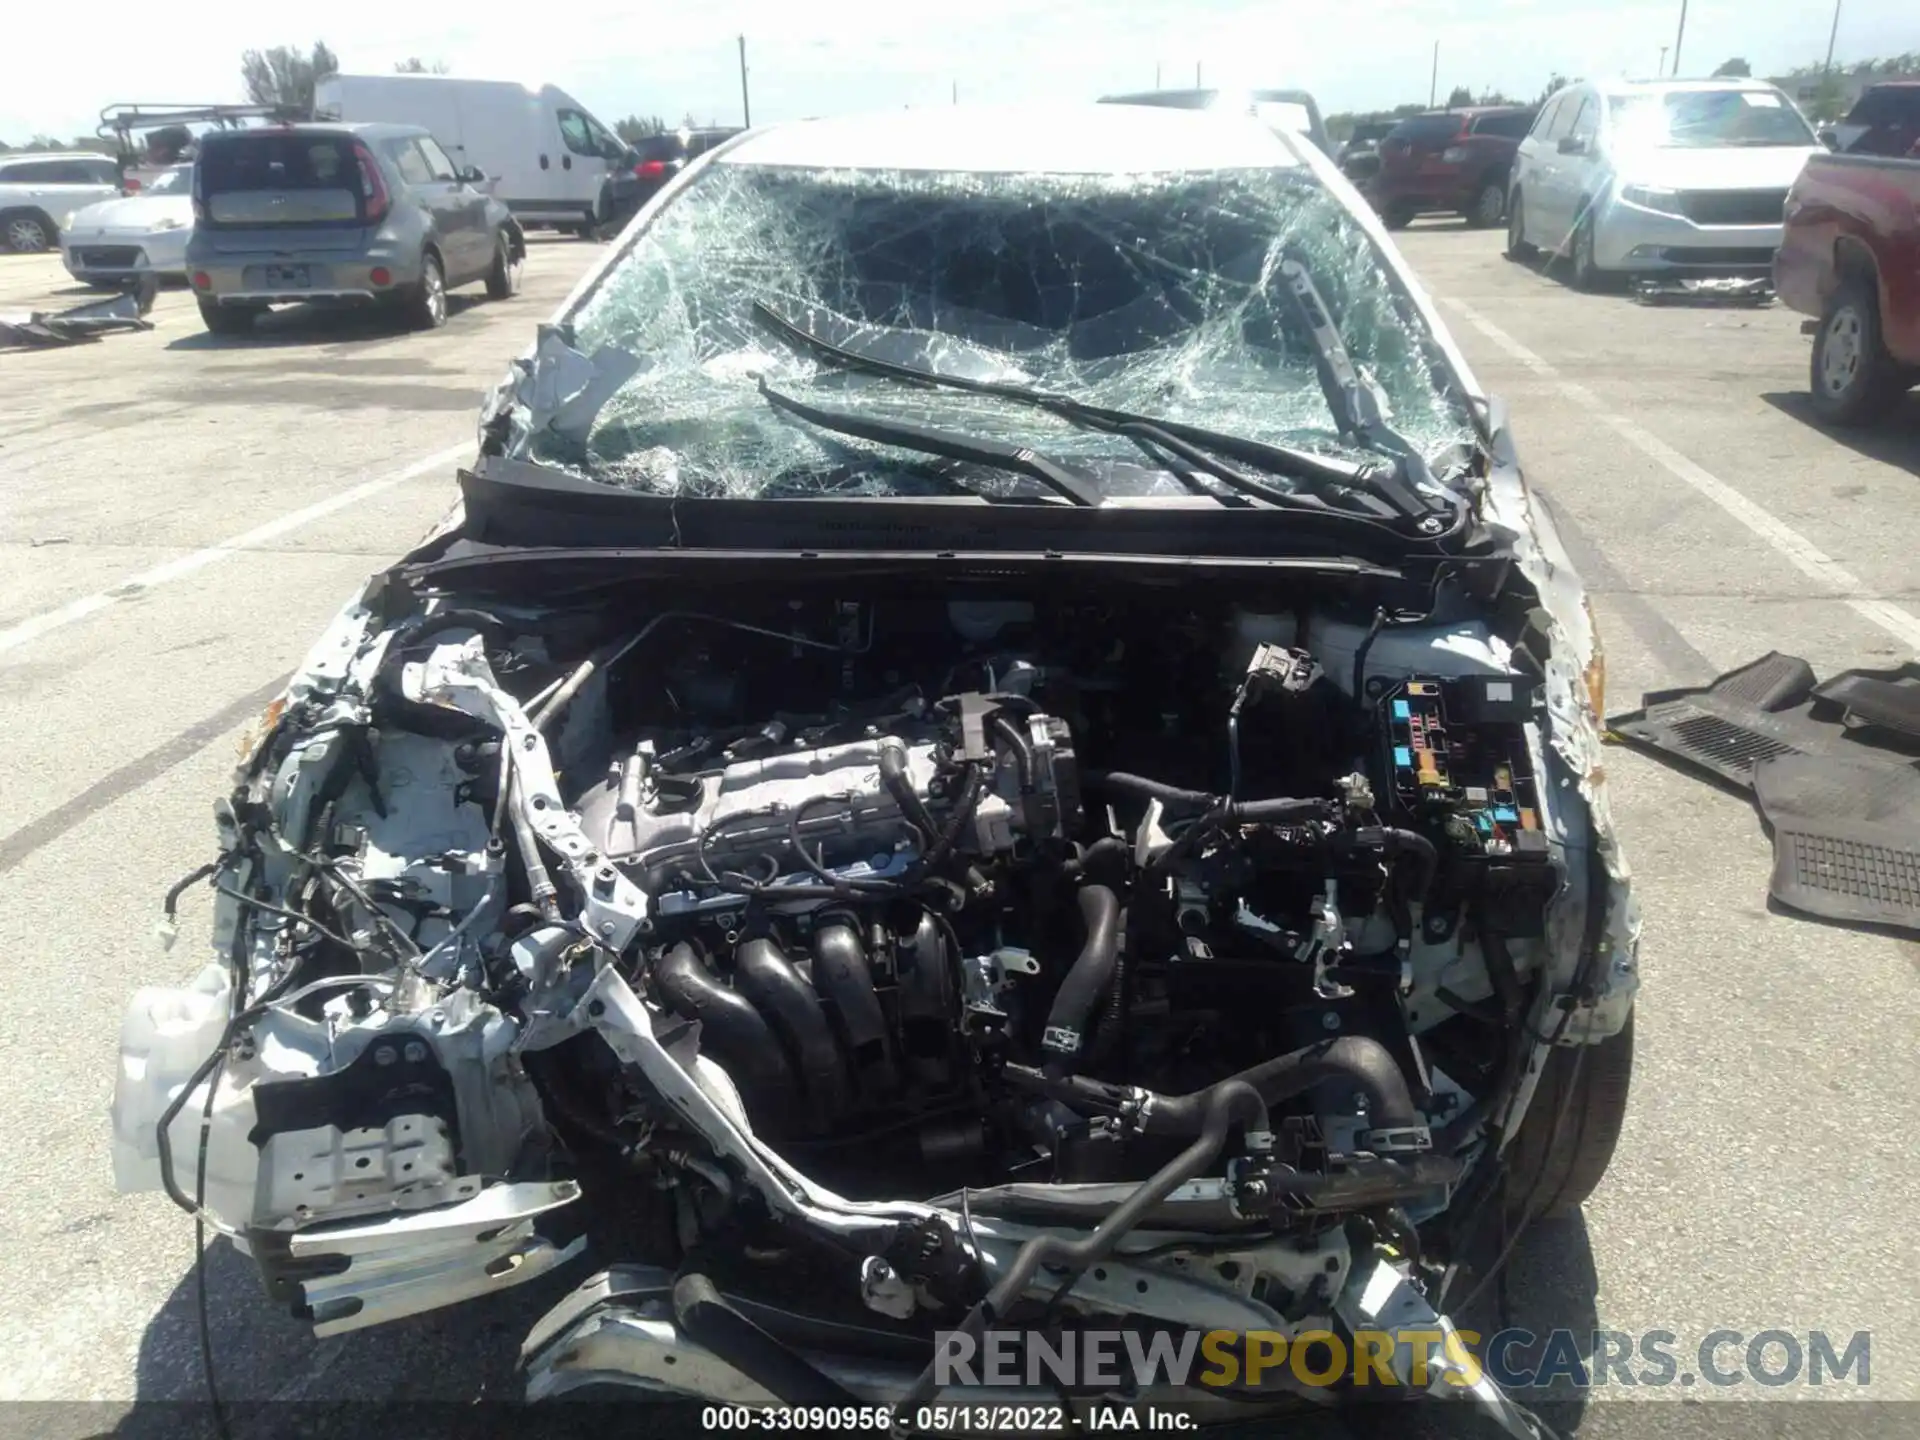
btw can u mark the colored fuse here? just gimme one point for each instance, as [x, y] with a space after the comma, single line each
[1505, 815]
[1403, 757]
[1401, 710]
[1528, 821]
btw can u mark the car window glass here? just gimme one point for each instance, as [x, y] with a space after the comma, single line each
[1509, 126]
[277, 162]
[574, 132]
[437, 160]
[1559, 117]
[102, 172]
[407, 158]
[604, 141]
[1587, 123]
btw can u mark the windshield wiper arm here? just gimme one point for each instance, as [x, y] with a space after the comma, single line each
[1069, 485]
[1346, 481]
[1356, 402]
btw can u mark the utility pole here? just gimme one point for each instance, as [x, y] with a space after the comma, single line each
[1196, 75]
[1156, 74]
[1833, 35]
[1663, 61]
[1433, 85]
[956, 92]
[746, 109]
[1679, 36]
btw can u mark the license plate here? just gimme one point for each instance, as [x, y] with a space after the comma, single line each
[288, 277]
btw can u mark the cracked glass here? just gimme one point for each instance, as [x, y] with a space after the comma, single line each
[1155, 293]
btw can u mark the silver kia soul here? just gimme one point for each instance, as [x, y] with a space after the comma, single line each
[342, 214]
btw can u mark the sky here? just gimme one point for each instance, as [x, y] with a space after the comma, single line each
[829, 56]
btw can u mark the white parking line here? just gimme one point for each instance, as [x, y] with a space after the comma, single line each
[34, 626]
[1793, 547]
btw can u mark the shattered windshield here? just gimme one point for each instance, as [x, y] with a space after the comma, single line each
[1159, 294]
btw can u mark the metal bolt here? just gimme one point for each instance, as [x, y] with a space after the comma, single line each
[1329, 1021]
[1432, 525]
[606, 927]
[416, 1051]
[384, 1055]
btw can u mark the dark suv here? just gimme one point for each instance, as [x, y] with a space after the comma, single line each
[1885, 120]
[1452, 162]
[656, 160]
[1359, 154]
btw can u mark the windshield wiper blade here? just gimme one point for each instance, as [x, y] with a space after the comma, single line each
[1075, 488]
[1344, 480]
[1357, 405]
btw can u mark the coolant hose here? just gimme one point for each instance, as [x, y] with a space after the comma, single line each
[1357, 1059]
[731, 1029]
[1087, 982]
[1222, 1105]
[782, 995]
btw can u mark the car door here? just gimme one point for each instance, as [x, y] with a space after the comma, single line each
[583, 165]
[1532, 168]
[1584, 175]
[465, 210]
[1556, 189]
[436, 198]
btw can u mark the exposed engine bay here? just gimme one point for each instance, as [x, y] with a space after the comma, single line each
[852, 952]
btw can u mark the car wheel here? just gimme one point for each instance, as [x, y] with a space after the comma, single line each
[1567, 1138]
[28, 232]
[1853, 379]
[503, 280]
[427, 304]
[1585, 269]
[1517, 246]
[226, 319]
[1488, 206]
[1397, 216]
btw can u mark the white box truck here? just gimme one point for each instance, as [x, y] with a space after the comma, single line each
[549, 159]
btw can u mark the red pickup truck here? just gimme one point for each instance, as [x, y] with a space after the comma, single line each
[1850, 255]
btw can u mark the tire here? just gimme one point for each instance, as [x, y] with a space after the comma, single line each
[226, 319]
[1852, 379]
[28, 231]
[1582, 267]
[1489, 205]
[1549, 1172]
[426, 304]
[1517, 246]
[1397, 216]
[503, 279]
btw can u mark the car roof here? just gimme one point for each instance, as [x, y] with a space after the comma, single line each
[1081, 139]
[1662, 87]
[12, 157]
[364, 130]
[1178, 99]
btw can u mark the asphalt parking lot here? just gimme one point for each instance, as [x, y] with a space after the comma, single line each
[180, 514]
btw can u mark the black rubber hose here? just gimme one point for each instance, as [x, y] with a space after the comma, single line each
[1268, 812]
[736, 1033]
[1426, 858]
[1225, 1103]
[899, 782]
[705, 1317]
[841, 975]
[1357, 1059]
[1022, 751]
[1087, 982]
[778, 992]
[1149, 789]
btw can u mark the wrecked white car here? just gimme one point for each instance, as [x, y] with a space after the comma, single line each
[996, 740]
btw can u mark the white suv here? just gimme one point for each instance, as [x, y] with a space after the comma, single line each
[41, 193]
[1672, 177]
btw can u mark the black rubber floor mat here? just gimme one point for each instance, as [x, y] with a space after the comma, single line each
[1846, 837]
[1888, 699]
[1748, 715]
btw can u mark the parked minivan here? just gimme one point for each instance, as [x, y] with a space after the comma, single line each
[1658, 177]
[548, 157]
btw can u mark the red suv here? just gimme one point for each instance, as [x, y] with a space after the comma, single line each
[1452, 162]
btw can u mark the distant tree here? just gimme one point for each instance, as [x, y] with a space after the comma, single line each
[1495, 97]
[1735, 68]
[1555, 83]
[636, 128]
[1459, 96]
[414, 65]
[285, 75]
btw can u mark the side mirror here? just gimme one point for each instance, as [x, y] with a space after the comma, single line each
[1572, 145]
[472, 175]
[1828, 137]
